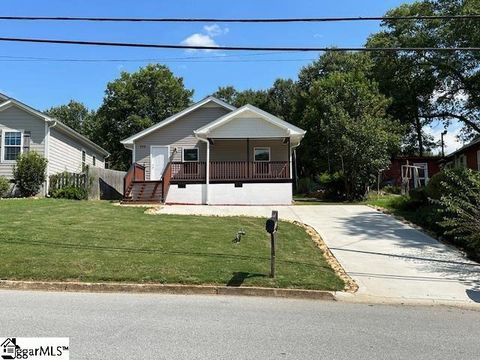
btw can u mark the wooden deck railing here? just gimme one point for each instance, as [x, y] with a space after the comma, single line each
[231, 171]
[135, 173]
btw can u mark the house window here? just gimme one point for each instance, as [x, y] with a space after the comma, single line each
[190, 159]
[12, 142]
[261, 166]
[262, 154]
[84, 160]
[462, 161]
[94, 161]
[478, 160]
[190, 155]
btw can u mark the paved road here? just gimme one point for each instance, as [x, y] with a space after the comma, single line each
[389, 260]
[146, 326]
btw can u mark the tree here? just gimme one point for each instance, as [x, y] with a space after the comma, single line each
[345, 115]
[75, 115]
[430, 86]
[134, 102]
[236, 98]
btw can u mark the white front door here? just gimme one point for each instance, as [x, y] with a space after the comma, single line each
[158, 161]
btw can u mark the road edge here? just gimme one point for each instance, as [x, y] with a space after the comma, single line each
[177, 289]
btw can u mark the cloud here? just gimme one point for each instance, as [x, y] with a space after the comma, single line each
[318, 36]
[206, 38]
[215, 30]
[198, 39]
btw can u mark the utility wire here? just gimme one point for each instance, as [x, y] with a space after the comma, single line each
[240, 48]
[239, 20]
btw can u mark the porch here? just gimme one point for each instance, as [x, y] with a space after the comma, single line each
[230, 171]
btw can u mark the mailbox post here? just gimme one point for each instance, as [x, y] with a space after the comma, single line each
[271, 227]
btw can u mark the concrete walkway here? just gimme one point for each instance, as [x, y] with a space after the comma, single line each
[389, 260]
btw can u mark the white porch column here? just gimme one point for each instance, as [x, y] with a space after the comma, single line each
[207, 172]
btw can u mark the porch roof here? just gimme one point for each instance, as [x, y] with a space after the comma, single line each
[250, 122]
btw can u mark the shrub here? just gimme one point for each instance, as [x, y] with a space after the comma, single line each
[305, 185]
[434, 186]
[418, 196]
[29, 173]
[4, 186]
[70, 192]
[333, 185]
[460, 202]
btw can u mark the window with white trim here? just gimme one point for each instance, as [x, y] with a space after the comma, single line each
[261, 154]
[190, 155]
[12, 145]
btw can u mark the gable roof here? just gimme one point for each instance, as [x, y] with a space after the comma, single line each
[176, 116]
[465, 147]
[51, 121]
[292, 130]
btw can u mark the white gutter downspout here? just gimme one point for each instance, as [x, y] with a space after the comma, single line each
[48, 126]
[207, 168]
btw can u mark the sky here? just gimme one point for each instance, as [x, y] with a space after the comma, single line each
[43, 83]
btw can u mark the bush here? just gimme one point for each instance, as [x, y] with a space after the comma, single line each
[4, 186]
[418, 196]
[70, 192]
[306, 185]
[434, 186]
[29, 173]
[460, 202]
[333, 185]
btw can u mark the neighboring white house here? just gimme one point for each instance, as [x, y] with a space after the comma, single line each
[23, 129]
[214, 153]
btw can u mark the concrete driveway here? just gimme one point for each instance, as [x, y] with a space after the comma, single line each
[389, 260]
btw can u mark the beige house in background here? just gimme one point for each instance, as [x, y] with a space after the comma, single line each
[24, 129]
[213, 153]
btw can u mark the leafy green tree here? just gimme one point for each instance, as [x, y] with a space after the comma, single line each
[75, 115]
[134, 102]
[236, 98]
[345, 115]
[30, 173]
[430, 86]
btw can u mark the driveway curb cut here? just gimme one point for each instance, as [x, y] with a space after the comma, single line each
[166, 289]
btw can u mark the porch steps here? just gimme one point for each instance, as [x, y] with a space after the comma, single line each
[143, 192]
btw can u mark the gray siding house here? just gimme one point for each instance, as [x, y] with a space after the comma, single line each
[23, 129]
[213, 153]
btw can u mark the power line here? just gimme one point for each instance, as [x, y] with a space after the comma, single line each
[167, 60]
[239, 20]
[239, 48]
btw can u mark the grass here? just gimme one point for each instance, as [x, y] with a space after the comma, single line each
[50, 239]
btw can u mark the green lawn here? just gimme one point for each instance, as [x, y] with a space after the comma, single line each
[95, 241]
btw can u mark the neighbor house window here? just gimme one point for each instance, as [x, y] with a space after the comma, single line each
[262, 154]
[12, 145]
[190, 155]
[478, 160]
[84, 160]
[94, 161]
